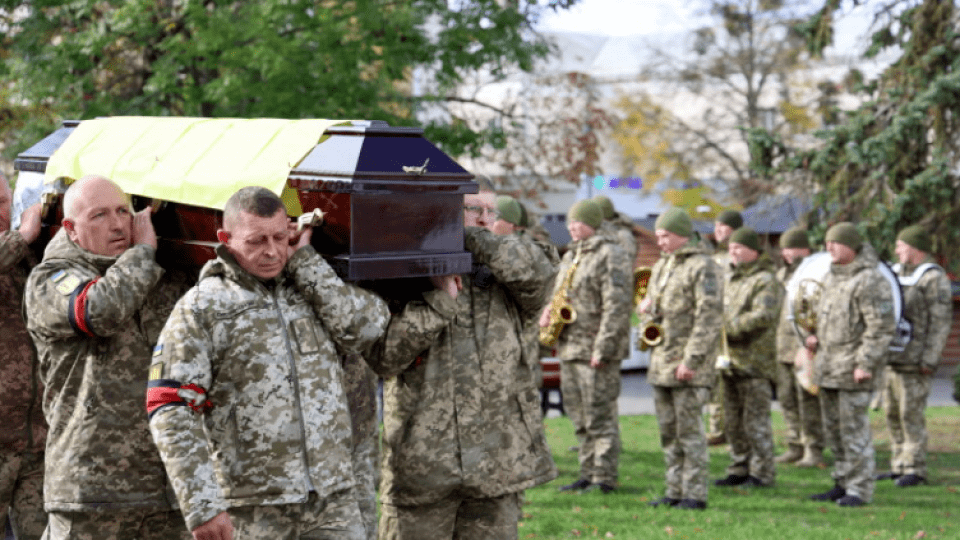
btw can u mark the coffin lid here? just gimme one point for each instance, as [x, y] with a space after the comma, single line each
[202, 161]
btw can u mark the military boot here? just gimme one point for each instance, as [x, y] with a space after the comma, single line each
[812, 457]
[793, 454]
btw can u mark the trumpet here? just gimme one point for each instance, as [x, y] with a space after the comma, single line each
[805, 304]
[651, 334]
[641, 281]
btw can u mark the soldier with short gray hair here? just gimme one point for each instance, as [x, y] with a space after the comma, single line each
[685, 297]
[927, 305]
[855, 324]
[245, 393]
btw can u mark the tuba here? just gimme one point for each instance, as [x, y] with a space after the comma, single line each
[562, 312]
[651, 333]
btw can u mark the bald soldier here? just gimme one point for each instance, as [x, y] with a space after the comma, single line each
[928, 306]
[94, 308]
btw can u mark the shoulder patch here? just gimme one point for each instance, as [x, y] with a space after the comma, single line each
[156, 371]
[66, 283]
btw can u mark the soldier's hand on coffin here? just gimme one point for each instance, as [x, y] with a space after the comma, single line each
[452, 284]
[299, 238]
[143, 232]
[30, 223]
[860, 375]
[811, 342]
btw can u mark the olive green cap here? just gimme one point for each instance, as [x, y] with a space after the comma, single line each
[606, 205]
[677, 221]
[509, 209]
[917, 237]
[731, 218]
[586, 211]
[745, 236]
[845, 233]
[524, 215]
[794, 237]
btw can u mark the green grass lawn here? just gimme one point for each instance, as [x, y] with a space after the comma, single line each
[781, 512]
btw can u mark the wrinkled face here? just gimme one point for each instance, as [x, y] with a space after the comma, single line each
[669, 242]
[791, 254]
[503, 228]
[840, 253]
[480, 209]
[259, 243]
[6, 202]
[103, 220]
[721, 231]
[907, 254]
[741, 254]
[580, 230]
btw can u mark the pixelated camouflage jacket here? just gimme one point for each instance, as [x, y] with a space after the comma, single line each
[461, 408]
[854, 323]
[531, 327]
[620, 228]
[751, 309]
[601, 293]
[267, 356]
[24, 428]
[928, 307]
[94, 320]
[686, 289]
[788, 342]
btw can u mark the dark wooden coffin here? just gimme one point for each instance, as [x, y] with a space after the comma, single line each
[393, 204]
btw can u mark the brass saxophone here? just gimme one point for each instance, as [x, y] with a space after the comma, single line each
[561, 312]
[651, 333]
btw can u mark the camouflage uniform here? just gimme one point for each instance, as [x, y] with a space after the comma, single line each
[854, 326]
[715, 415]
[751, 300]
[264, 355]
[601, 294]
[686, 290]
[620, 228]
[801, 409]
[360, 387]
[462, 422]
[24, 431]
[927, 305]
[94, 320]
[531, 328]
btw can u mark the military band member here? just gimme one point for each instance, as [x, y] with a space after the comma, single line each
[751, 306]
[246, 400]
[685, 297]
[727, 221]
[94, 308]
[24, 431]
[462, 430]
[592, 346]
[620, 227]
[855, 324]
[801, 409]
[927, 305]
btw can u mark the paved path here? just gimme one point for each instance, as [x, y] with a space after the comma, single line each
[636, 394]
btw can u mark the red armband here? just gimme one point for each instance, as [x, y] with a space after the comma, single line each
[166, 392]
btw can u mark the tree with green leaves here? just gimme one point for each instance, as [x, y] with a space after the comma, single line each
[745, 68]
[355, 59]
[892, 162]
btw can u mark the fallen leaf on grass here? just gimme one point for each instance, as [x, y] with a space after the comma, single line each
[920, 534]
[902, 515]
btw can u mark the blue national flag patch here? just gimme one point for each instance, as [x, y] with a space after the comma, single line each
[158, 350]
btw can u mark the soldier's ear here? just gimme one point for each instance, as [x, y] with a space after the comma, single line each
[68, 225]
[223, 236]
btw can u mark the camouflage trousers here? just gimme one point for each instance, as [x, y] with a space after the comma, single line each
[801, 411]
[590, 400]
[715, 415]
[360, 386]
[454, 517]
[335, 517]
[680, 416]
[905, 400]
[117, 525]
[21, 493]
[846, 426]
[746, 404]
